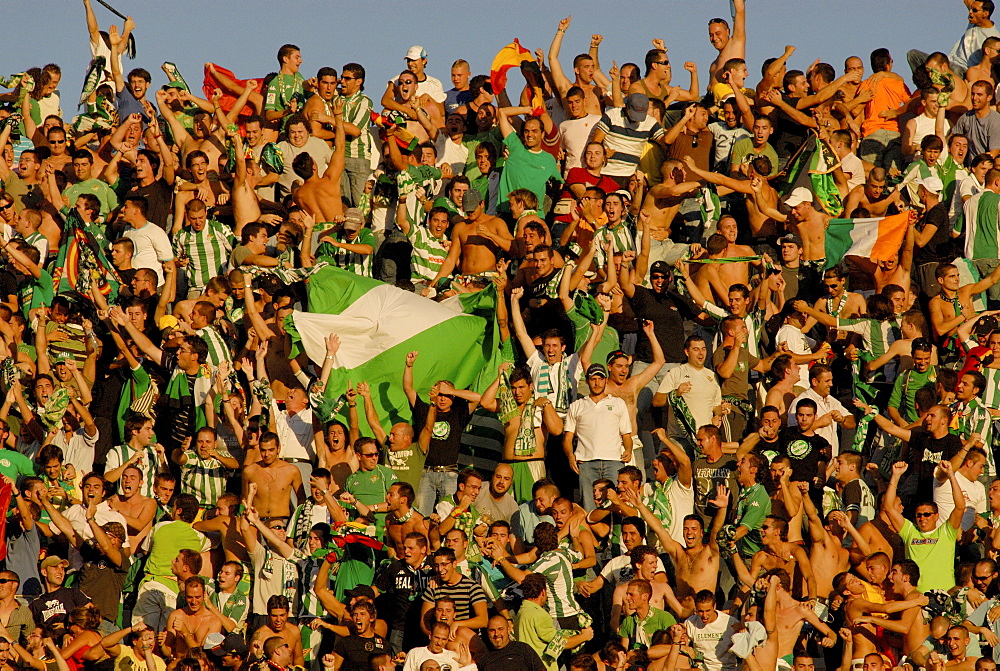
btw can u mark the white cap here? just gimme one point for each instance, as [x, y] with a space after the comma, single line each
[415, 52]
[798, 196]
[932, 183]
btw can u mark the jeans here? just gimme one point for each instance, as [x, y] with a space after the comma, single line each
[434, 486]
[882, 148]
[592, 471]
[392, 261]
[395, 642]
[352, 181]
[643, 417]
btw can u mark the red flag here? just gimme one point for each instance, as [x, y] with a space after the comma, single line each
[227, 101]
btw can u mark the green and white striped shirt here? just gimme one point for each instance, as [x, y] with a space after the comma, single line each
[358, 111]
[974, 417]
[428, 252]
[218, 350]
[119, 454]
[208, 250]
[991, 395]
[359, 264]
[557, 567]
[236, 606]
[205, 479]
[620, 236]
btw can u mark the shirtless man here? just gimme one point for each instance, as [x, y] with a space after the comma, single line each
[340, 458]
[246, 204]
[526, 433]
[656, 82]
[828, 556]
[871, 196]
[805, 221]
[663, 201]
[201, 137]
[791, 615]
[424, 116]
[761, 197]
[953, 305]
[783, 392]
[715, 279]
[138, 510]
[585, 68]
[268, 484]
[278, 625]
[403, 519]
[620, 384]
[188, 627]
[734, 273]
[839, 302]
[444, 613]
[574, 534]
[911, 624]
[896, 270]
[210, 192]
[324, 103]
[696, 562]
[728, 46]
[856, 608]
[320, 196]
[471, 251]
[778, 553]
[880, 537]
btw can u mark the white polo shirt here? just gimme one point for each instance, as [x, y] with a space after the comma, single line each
[599, 427]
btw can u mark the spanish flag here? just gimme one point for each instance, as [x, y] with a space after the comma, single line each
[510, 56]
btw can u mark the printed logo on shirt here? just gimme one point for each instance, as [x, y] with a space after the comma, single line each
[441, 430]
[799, 448]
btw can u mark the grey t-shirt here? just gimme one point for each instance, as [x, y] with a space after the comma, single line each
[983, 134]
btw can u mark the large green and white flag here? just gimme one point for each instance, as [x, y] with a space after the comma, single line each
[378, 324]
[981, 225]
[812, 167]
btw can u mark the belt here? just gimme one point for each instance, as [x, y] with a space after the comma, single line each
[297, 461]
[442, 469]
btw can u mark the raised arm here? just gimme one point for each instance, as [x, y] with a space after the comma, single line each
[558, 78]
[523, 339]
[411, 393]
[896, 519]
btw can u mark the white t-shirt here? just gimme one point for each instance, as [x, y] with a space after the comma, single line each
[853, 169]
[575, 134]
[705, 392]
[152, 248]
[975, 499]
[713, 641]
[320, 152]
[725, 138]
[599, 427]
[432, 87]
[619, 570]
[454, 154]
[681, 500]
[78, 450]
[797, 343]
[417, 656]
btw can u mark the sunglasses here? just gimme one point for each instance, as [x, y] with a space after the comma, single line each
[982, 578]
[7, 206]
[368, 454]
[4, 581]
[925, 514]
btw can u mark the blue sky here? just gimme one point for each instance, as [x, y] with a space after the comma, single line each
[244, 35]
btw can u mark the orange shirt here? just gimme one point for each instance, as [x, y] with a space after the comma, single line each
[889, 93]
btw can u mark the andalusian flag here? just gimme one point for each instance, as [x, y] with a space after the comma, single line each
[812, 167]
[513, 56]
[877, 239]
[378, 324]
[81, 261]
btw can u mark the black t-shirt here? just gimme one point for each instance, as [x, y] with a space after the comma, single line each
[357, 651]
[515, 656]
[941, 248]
[667, 311]
[789, 135]
[400, 588]
[926, 451]
[805, 453]
[160, 197]
[52, 608]
[446, 435]
[707, 478]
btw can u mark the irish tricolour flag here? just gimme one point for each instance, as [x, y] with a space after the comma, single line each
[876, 239]
[378, 324]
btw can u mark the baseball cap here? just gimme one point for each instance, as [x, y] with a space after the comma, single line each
[471, 200]
[53, 560]
[636, 106]
[799, 195]
[167, 322]
[661, 267]
[624, 193]
[232, 644]
[932, 183]
[353, 219]
[790, 238]
[598, 370]
[61, 357]
[175, 84]
[415, 52]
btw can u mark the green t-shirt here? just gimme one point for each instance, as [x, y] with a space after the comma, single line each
[166, 540]
[751, 509]
[934, 553]
[526, 170]
[640, 633]
[407, 464]
[13, 464]
[744, 149]
[534, 626]
[904, 391]
[103, 191]
[281, 90]
[34, 293]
